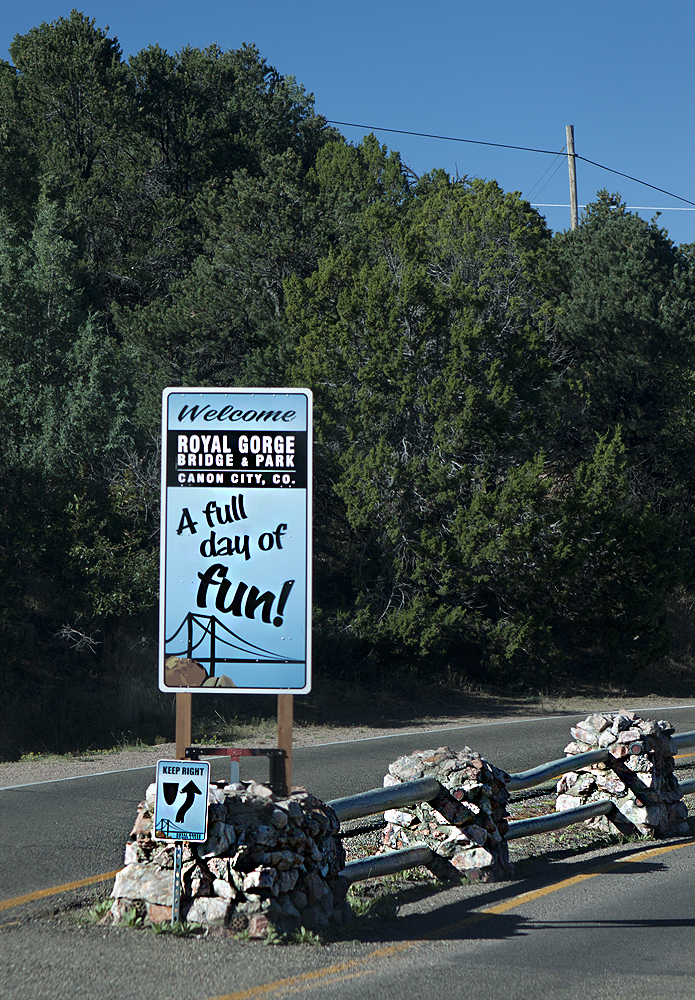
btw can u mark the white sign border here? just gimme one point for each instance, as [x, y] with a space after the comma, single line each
[205, 764]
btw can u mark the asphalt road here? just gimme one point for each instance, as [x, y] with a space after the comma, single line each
[72, 829]
[624, 934]
[620, 930]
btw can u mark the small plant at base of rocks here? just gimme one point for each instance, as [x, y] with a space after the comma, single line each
[94, 914]
[273, 936]
[132, 918]
[379, 906]
[304, 936]
[180, 928]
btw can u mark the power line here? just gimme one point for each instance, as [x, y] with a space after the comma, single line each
[628, 208]
[531, 190]
[544, 186]
[504, 145]
[449, 138]
[637, 180]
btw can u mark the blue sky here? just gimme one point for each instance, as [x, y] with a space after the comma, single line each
[502, 71]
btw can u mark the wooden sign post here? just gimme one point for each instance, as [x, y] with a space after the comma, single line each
[183, 723]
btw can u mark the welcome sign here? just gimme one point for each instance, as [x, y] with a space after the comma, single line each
[235, 602]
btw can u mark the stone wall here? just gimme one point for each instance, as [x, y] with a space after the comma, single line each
[638, 777]
[465, 825]
[268, 861]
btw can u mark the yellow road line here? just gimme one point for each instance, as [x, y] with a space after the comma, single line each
[318, 977]
[7, 904]
[356, 967]
[335, 979]
[528, 897]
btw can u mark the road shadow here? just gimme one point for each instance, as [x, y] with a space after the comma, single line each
[445, 912]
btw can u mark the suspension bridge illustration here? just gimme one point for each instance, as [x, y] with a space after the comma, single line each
[168, 829]
[199, 628]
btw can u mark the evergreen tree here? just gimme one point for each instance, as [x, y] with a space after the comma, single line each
[625, 343]
[432, 348]
[66, 406]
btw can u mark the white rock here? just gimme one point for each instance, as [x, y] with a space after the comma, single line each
[210, 910]
[222, 888]
[398, 817]
[144, 882]
[645, 779]
[260, 878]
[134, 854]
[150, 796]
[475, 857]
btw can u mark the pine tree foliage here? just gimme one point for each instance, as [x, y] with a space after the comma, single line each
[626, 332]
[434, 348]
[503, 481]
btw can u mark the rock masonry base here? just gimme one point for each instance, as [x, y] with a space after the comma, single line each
[638, 778]
[465, 825]
[268, 862]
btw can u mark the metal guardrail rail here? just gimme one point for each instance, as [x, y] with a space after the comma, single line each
[387, 863]
[684, 739]
[553, 769]
[556, 821]
[378, 799]
[427, 789]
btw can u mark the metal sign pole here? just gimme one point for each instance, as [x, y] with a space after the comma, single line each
[176, 901]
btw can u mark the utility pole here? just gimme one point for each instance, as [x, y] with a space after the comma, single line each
[571, 161]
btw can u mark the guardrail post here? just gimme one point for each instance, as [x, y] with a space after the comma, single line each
[637, 775]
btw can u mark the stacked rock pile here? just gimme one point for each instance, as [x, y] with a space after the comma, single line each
[638, 777]
[465, 825]
[268, 861]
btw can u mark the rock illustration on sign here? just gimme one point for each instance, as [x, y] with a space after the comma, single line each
[207, 633]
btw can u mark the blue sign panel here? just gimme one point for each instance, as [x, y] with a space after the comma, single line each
[235, 606]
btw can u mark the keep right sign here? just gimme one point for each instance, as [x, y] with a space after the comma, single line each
[181, 802]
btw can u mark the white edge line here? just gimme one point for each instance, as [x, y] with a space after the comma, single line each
[429, 732]
[362, 739]
[74, 777]
[477, 725]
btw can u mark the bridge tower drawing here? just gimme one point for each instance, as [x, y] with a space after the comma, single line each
[206, 639]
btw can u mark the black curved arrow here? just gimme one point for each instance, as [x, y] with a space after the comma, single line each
[191, 791]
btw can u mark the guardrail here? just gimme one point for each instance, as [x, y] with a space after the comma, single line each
[388, 863]
[378, 799]
[553, 769]
[427, 789]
